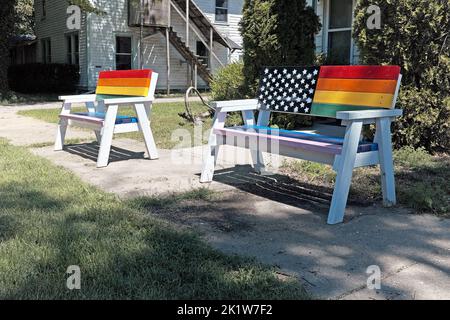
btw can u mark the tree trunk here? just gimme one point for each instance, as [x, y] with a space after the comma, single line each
[6, 31]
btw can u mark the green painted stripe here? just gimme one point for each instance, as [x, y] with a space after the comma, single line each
[329, 110]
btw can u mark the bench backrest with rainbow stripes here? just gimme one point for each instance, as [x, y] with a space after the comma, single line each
[126, 83]
[323, 91]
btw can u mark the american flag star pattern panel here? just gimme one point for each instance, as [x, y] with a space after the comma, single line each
[288, 89]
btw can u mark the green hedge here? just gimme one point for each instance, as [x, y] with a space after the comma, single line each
[42, 78]
[414, 34]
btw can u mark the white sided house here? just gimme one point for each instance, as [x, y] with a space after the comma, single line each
[185, 41]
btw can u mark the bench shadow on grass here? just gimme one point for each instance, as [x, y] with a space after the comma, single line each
[90, 151]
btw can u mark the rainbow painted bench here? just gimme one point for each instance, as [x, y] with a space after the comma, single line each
[114, 89]
[355, 95]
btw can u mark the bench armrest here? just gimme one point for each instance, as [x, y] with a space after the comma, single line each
[130, 100]
[368, 114]
[79, 98]
[235, 105]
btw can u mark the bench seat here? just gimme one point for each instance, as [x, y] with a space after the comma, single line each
[97, 117]
[301, 140]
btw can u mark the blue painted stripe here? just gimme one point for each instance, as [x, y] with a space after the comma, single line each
[365, 146]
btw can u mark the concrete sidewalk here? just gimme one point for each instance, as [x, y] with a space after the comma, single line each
[277, 220]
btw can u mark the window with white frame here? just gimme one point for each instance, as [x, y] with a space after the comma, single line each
[339, 31]
[222, 11]
[73, 48]
[123, 53]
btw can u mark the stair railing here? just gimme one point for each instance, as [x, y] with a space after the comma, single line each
[197, 33]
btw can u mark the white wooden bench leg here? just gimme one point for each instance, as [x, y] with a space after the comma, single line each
[210, 156]
[98, 136]
[62, 128]
[144, 127]
[263, 121]
[61, 134]
[256, 154]
[107, 136]
[386, 161]
[91, 107]
[344, 172]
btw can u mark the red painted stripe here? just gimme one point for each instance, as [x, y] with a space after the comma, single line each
[360, 72]
[125, 74]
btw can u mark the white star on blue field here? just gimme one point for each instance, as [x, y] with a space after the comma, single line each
[288, 89]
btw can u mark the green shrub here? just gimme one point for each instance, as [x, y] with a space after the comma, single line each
[425, 122]
[414, 35]
[228, 83]
[41, 78]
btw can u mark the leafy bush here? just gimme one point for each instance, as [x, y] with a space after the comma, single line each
[414, 35]
[40, 78]
[228, 83]
[425, 122]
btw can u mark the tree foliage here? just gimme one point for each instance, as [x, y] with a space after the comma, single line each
[86, 6]
[228, 83]
[414, 34]
[24, 17]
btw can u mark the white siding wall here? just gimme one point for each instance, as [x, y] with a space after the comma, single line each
[54, 26]
[98, 33]
[102, 31]
[230, 29]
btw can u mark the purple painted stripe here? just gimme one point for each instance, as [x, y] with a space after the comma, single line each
[308, 145]
[82, 118]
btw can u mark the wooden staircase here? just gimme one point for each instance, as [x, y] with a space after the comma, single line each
[202, 68]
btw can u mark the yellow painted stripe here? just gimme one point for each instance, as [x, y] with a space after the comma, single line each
[376, 100]
[124, 91]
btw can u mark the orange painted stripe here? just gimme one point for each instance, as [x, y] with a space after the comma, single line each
[124, 82]
[357, 85]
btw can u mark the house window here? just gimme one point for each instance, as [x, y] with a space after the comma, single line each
[44, 9]
[203, 53]
[123, 53]
[46, 50]
[73, 48]
[221, 10]
[339, 35]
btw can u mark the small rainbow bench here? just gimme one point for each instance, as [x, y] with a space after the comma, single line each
[355, 95]
[114, 89]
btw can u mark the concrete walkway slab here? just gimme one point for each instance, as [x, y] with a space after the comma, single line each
[277, 220]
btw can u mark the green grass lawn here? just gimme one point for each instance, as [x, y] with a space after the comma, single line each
[165, 120]
[50, 220]
[422, 180]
